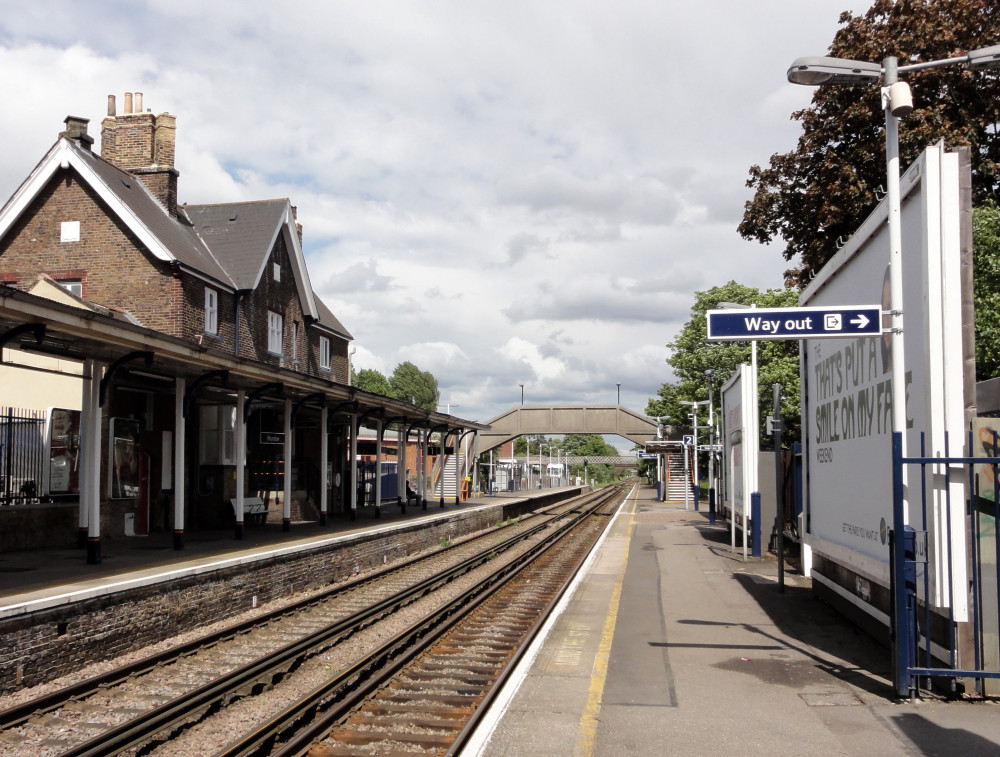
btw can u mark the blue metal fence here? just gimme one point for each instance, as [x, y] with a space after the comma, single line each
[914, 626]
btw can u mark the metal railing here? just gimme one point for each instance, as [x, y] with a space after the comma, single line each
[925, 643]
[22, 455]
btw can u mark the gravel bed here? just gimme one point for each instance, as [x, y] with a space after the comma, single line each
[12, 742]
[220, 730]
[21, 696]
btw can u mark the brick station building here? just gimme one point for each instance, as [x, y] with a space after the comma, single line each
[207, 367]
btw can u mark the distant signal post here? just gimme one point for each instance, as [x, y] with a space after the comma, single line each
[794, 323]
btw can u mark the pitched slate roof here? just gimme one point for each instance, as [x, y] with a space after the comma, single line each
[177, 236]
[240, 235]
[227, 244]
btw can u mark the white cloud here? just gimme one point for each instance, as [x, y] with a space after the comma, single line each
[502, 193]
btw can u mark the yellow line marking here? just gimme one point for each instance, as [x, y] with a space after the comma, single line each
[588, 724]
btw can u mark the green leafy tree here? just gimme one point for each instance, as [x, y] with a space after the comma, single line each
[370, 380]
[580, 445]
[986, 274]
[692, 355]
[521, 444]
[822, 191]
[593, 445]
[410, 384]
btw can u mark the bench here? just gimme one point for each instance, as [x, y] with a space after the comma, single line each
[254, 509]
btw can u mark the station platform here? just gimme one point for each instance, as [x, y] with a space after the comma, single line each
[671, 644]
[49, 576]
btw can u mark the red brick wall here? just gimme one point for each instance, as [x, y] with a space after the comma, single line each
[118, 272]
[338, 357]
[282, 298]
[115, 268]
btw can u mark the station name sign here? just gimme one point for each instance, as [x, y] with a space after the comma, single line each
[794, 323]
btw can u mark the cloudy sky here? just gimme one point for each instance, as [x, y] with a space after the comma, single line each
[503, 192]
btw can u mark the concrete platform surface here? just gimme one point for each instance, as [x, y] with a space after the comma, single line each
[670, 644]
[34, 578]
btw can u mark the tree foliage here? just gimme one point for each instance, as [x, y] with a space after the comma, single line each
[521, 444]
[571, 445]
[407, 383]
[371, 380]
[821, 191]
[986, 275]
[692, 355]
[410, 384]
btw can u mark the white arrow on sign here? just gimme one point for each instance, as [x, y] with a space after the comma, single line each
[861, 321]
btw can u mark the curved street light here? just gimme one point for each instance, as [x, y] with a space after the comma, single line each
[897, 102]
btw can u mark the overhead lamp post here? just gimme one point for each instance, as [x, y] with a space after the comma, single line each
[619, 385]
[522, 393]
[897, 101]
[709, 375]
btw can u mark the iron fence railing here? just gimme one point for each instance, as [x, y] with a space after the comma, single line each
[22, 455]
[925, 644]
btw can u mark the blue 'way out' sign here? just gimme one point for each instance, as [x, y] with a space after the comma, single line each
[794, 323]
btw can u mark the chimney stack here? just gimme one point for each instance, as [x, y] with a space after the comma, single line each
[76, 129]
[143, 145]
[298, 223]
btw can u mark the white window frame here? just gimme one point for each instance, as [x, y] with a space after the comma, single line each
[211, 311]
[295, 340]
[324, 353]
[275, 332]
[276, 272]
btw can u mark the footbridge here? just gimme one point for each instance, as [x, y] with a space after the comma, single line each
[567, 419]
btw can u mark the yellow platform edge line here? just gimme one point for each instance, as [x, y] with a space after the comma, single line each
[588, 724]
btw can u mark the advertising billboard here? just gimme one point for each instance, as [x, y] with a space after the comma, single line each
[63, 441]
[741, 448]
[847, 383]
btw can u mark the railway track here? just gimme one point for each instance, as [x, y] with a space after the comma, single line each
[424, 691]
[136, 705]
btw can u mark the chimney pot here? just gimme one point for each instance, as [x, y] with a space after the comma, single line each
[128, 103]
[112, 108]
[138, 102]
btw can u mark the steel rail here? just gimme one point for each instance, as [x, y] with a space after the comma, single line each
[216, 693]
[16, 715]
[330, 702]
